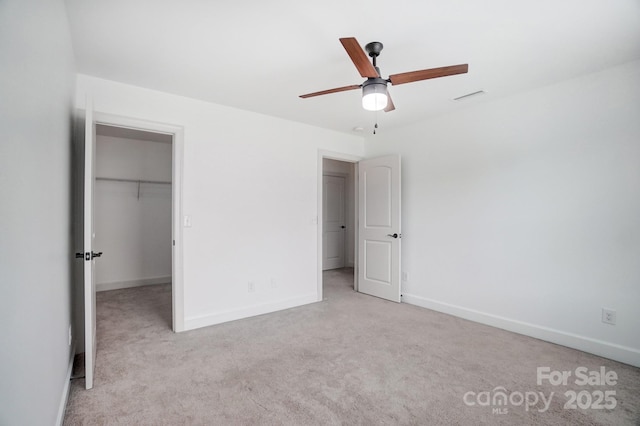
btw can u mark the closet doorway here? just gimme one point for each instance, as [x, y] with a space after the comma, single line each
[133, 208]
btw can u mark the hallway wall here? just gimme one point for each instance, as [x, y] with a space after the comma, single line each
[330, 165]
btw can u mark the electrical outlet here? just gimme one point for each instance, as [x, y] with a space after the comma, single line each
[608, 316]
[404, 276]
[274, 283]
[251, 287]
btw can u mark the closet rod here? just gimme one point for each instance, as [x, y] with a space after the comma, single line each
[133, 180]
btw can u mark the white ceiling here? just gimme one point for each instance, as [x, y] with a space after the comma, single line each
[260, 55]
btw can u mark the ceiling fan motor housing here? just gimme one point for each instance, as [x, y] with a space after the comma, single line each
[375, 81]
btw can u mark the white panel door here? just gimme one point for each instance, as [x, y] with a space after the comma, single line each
[89, 236]
[379, 227]
[333, 227]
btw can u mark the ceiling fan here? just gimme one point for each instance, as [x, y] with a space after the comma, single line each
[375, 96]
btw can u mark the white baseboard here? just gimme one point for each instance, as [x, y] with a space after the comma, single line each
[116, 285]
[251, 311]
[612, 351]
[64, 398]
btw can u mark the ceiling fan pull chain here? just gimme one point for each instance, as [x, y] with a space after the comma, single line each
[376, 125]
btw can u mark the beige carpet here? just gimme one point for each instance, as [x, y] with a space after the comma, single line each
[352, 359]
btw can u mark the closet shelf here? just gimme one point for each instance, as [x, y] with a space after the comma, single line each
[136, 181]
[133, 180]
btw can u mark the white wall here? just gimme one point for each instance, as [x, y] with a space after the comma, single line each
[346, 168]
[36, 89]
[133, 229]
[250, 186]
[525, 212]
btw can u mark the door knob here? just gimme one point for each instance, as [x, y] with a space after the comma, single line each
[94, 254]
[343, 227]
[392, 235]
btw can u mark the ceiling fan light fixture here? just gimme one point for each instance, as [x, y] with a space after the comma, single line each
[374, 95]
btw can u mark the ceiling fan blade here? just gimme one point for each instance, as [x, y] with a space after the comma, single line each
[390, 106]
[359, 58]
[326, 92]
[409, 77]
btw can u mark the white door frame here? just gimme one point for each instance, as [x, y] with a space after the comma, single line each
[177, 285]
[347, 158]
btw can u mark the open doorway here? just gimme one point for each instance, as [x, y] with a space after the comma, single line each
[377, 225]
[338, 214]
[126, 130]
[173, 138]
[133, 209]
[337, 218]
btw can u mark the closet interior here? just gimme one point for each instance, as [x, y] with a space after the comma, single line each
[133, 207]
